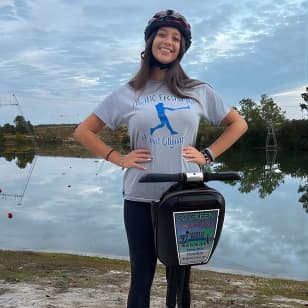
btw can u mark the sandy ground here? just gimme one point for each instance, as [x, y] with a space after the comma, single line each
[25, 295]
[55, 280]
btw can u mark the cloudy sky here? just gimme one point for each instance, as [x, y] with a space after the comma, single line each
[59, 58]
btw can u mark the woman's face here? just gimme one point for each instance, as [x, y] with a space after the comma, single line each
[166, 44]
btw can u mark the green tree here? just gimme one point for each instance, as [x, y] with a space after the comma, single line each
[29, 127]
[304, 198]
[2, 139]
[256, 133]
[270, 111]
[9, 129]
[293, 135]
[261, 113]
[304, 106]
[258, 116]
[250, 111]
[305, 95]
[21, 124]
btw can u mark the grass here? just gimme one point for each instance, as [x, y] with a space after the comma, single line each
[212, 289]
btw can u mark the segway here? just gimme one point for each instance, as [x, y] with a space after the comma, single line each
[187, 223]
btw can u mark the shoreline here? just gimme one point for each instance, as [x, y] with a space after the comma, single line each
[219, 270]
[47, 279]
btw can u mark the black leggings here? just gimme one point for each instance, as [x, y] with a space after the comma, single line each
[140, 236]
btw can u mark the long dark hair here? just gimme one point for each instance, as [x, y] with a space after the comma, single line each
[176, 79]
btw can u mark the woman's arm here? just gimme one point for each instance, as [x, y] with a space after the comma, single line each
[87, 134]
[235, 125]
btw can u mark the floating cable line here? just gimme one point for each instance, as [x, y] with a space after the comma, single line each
[28, 179]
[19, 196]
[100, 167]
[26, 124]
[7, 104]
[11, 103]
[12, 195]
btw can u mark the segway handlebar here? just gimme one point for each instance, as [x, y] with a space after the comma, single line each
[190, 177]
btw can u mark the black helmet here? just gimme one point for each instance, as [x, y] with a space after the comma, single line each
[169, 18]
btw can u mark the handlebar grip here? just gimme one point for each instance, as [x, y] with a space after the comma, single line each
[188, 177]
[222, 176]
[162, 177]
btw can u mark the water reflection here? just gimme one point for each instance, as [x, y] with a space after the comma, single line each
[75, 205]
[265, 171]
[303, 188]
[22, 159]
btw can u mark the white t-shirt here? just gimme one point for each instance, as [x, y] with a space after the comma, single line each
[163, 123]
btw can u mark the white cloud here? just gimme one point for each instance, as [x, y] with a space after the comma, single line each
[229, 44]
[87, 82]
[7, 3]
[89, 190]
[35, 58]
[57, 51]
[289, 100]
[241, 30]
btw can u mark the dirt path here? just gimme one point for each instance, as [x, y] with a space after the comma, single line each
[58, 280]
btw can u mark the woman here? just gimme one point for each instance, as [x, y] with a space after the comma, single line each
[161, 106]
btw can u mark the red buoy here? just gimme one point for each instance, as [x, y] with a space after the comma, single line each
[10, 215]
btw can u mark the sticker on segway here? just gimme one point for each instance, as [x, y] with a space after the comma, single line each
[195, 233]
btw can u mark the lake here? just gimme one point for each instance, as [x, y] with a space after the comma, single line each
[69, 204]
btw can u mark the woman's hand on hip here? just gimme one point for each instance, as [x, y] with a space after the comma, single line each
[136, 158]
[192, 155]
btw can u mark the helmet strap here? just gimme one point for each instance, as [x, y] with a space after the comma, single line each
[162, 66]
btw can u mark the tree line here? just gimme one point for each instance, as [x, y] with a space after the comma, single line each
[21, 126]
[263, 118]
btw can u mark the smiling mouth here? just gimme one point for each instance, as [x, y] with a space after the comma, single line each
[165, 50]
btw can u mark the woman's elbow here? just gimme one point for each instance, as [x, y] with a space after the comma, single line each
[78, 132]
[244, 126]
